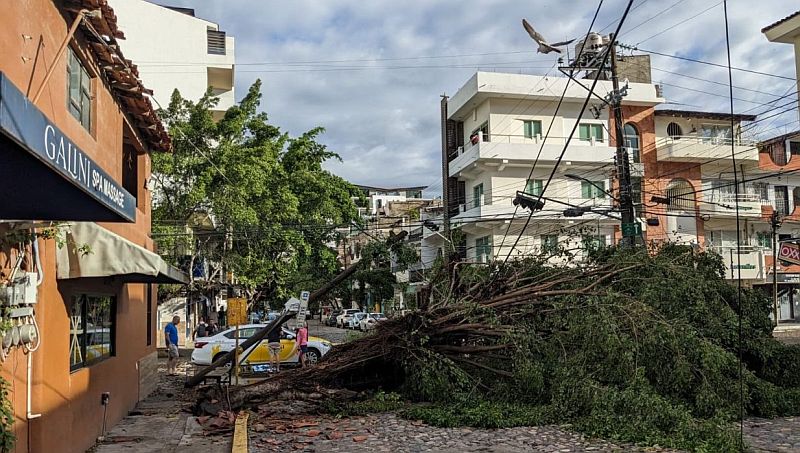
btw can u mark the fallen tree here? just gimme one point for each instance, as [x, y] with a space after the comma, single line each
[630, 345]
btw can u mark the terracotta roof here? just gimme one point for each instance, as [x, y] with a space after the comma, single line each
[706, 115]
[791, 16]
[121, 75]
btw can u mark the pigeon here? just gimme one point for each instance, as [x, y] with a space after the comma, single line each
[544, 47]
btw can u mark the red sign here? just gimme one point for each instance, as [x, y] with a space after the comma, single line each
[789, 252]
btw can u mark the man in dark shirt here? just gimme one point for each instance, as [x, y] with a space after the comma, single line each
[274, 343]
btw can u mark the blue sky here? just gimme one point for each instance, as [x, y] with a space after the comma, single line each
[381, 112]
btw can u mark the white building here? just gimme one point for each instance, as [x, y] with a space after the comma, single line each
[499, 123]
[173, 49]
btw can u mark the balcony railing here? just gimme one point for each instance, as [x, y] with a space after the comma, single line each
[216, 42]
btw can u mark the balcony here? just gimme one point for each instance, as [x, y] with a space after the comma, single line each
[725, 205]
[751, 262]
[516, 150]
[692, 148]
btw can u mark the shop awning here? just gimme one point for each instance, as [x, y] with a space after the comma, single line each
[45, 175]
[111, 255]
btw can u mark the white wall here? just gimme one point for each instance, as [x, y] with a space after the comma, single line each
[171, 51]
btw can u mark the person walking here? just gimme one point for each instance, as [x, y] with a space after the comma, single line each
[274, 344]
[201, 330]
[302, 342]
[221, 316]
[171, 337]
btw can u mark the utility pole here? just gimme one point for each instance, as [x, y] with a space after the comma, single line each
[775, 223]
[630, 228]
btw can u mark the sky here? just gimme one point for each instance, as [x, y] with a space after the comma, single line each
[372, 72]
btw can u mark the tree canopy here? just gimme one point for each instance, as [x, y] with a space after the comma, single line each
[243, 194]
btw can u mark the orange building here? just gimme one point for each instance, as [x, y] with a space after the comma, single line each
[77, 310]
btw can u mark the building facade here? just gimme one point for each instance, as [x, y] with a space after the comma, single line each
[78, 279]
[193, 55]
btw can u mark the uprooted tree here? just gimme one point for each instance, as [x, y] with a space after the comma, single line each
[633, 345]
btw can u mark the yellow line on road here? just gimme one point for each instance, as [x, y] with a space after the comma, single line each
[240, 434]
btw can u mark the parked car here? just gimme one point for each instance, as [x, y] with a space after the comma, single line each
[371, 320]
[344, 319]
[330, 321]
[355, 321]
[209, 349]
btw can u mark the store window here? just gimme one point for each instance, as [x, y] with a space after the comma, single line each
[79, 91]
[92, 329]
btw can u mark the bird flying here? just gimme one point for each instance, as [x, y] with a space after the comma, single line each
[544, 47]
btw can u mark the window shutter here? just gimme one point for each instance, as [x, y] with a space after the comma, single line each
[583, 130]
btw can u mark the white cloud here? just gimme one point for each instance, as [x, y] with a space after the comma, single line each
[385, 122]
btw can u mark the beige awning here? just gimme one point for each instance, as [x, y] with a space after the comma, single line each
[111, 256]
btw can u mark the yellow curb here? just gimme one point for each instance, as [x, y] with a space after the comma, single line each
[240, 434]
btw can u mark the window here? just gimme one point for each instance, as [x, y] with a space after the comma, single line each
[532, 128]
[782, 200]
[631, 142]
[636, 195]
[717, 134]
[593, 242]
[764, 239]
[549, 243]
[92, 329]
[477, 195]
[79, 91]
[681, 195]
[674, 130]
[484, 129]
[534, 186]
[593, 189]
[243, 333]
[130, 170]
[591, 131]
[794, 147]
[483, 249]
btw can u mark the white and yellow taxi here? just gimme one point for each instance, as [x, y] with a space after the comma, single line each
[209, 349]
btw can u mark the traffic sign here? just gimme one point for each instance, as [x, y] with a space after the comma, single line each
[237, 311]
[631, 229]
[789, 252]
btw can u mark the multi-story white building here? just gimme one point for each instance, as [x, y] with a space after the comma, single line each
[496, 128]
[173, 49]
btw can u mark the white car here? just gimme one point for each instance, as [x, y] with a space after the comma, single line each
[209, 349]
[344, 319]
[355, 321]
[371, 320]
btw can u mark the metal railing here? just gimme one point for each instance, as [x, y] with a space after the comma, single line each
[216, 42]
[698, 139]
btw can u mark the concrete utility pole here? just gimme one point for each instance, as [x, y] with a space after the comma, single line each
[630, 228]
[775, 223]
[445, 177]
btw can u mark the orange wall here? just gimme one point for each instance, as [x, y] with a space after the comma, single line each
[657, 175]
[70, 402]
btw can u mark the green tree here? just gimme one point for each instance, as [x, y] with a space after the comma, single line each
[241, 193]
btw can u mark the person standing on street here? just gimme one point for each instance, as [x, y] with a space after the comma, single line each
[201, 330]
[302, 342]
[274, 344]
[171, 337]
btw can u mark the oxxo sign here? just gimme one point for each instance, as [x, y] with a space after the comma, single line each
[789, 252]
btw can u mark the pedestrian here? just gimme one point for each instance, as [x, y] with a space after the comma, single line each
[302, 341]
[171, 337]
[274, 344]
[212, 329]
[200, 330]
[221, 316]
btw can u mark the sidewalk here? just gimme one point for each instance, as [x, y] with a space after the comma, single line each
[161, 423]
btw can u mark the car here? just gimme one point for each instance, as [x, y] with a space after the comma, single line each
[371, 320]
[209, 349]
[343, 319]
[330, 321]
[355, 321]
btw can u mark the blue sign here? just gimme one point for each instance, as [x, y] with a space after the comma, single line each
[29, 127]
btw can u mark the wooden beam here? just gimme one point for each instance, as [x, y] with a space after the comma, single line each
[239, 444]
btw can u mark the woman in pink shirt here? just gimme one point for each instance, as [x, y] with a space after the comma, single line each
[302, 341]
